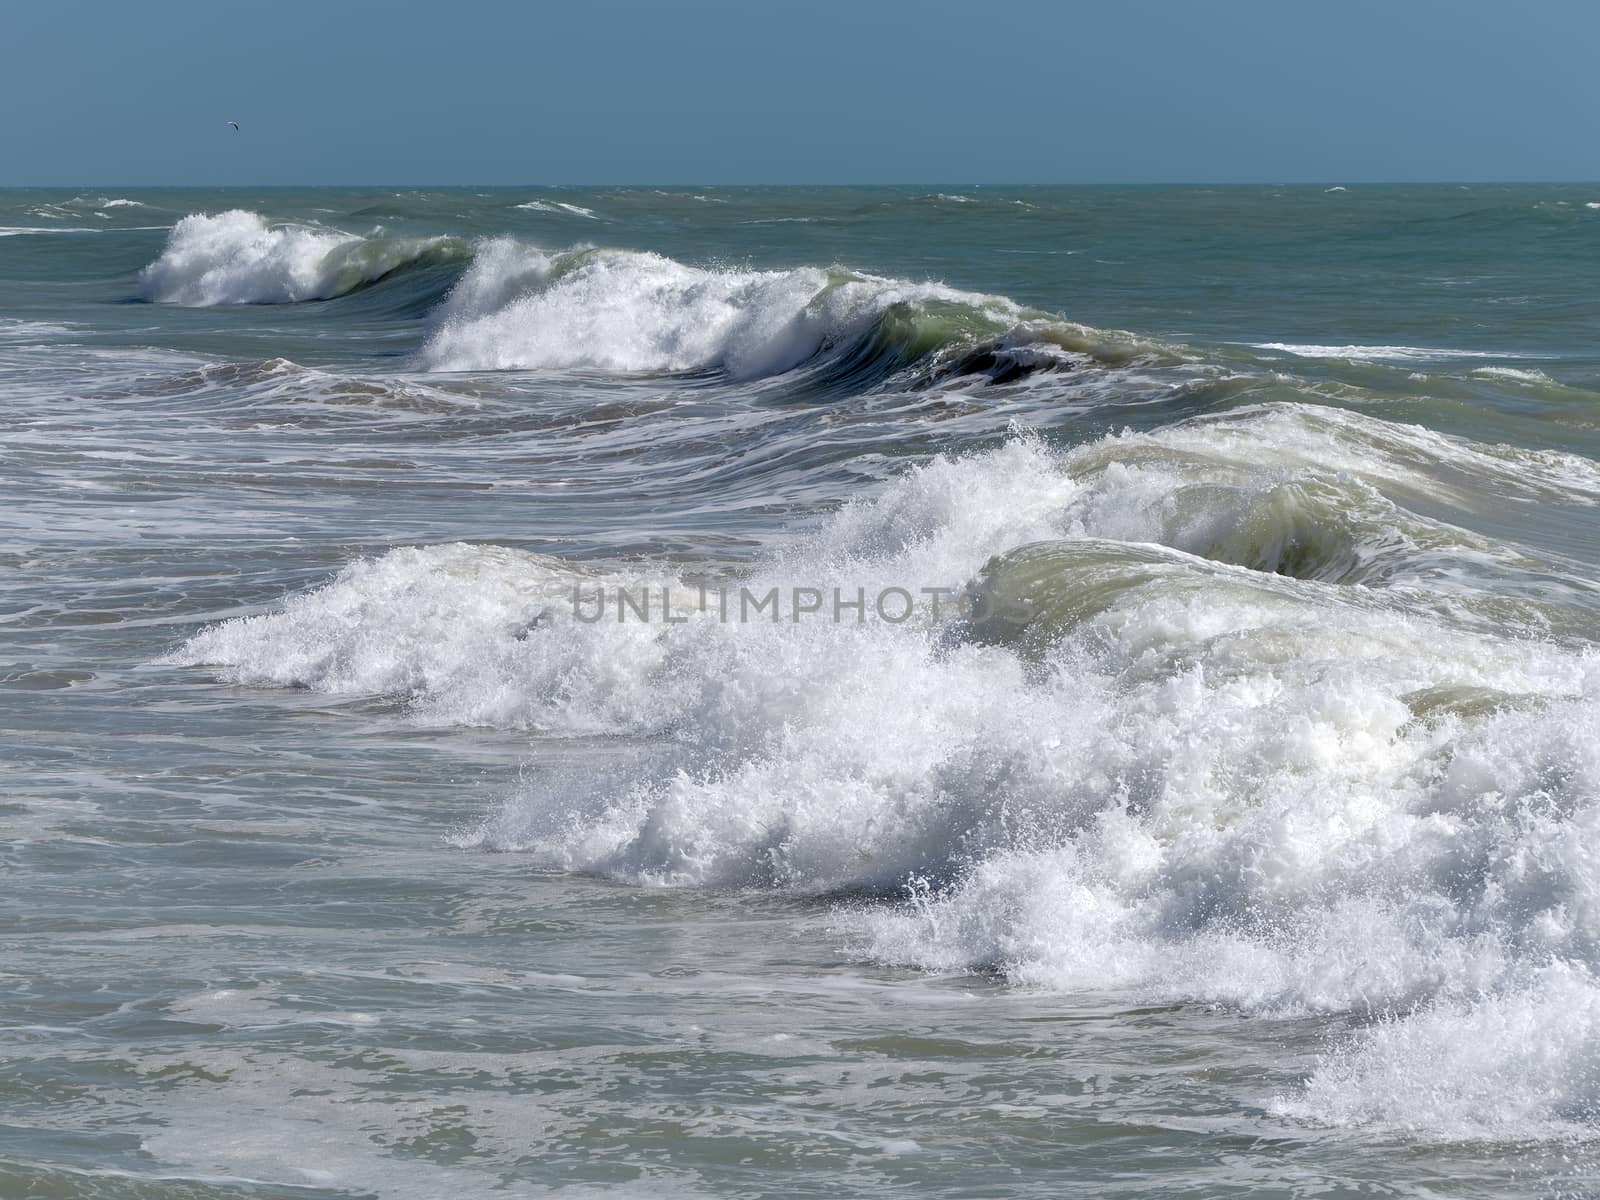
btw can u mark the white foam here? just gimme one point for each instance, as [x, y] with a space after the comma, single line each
[557, 206]
[1518, 1062]
[1513, 373]
[23, 230]
[1203, 782]
[1405, 459]
[15, 329]
[90, 203]
[239, 257]
[343, 639]
[1375, 353]
[518, 307]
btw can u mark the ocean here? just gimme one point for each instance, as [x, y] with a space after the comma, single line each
[782, 692]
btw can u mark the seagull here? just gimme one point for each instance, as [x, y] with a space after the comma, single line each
[235, 125]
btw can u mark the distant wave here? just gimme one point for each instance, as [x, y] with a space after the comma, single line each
[1378, 353]
[92, 203]
[556, 206]
[239, 257]
[522, 308]
[1515, 374]
[23, 230]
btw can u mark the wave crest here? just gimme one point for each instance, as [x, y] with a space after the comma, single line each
[1184, 757]
[239, 257]
[521, 308]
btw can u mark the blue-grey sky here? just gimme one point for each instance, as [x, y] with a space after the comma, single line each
[820, 91]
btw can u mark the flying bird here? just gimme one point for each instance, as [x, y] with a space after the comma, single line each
[235, 125]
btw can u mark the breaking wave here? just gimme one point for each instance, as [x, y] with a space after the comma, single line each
[521, 308]
[240, 257]
[1240, 711]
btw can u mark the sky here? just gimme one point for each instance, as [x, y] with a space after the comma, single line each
[825, 91]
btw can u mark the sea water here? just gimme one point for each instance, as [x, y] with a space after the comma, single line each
[780, 692]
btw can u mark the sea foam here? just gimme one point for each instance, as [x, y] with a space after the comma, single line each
[1174, 758]
[239, 257]
[519, 307]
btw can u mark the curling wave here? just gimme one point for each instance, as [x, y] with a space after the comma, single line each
[521, 308]
[239, 257]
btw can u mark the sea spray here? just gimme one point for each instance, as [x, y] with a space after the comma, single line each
[1160, 765]
[239, 257]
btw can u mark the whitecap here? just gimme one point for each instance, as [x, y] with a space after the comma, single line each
[1517, 374]
[1375, 353]
[519, 307]
[240, 257]
[24, 230]
[557, 206]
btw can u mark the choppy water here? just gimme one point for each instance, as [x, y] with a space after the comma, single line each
[1230, 830]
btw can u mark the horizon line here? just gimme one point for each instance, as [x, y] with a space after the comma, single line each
[589, 186]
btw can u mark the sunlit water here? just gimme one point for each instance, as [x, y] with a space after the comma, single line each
[1234, 834]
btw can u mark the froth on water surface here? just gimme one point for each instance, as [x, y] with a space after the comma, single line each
[1230, 814]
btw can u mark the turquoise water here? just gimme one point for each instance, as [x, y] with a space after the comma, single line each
[1199, 799]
